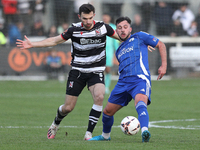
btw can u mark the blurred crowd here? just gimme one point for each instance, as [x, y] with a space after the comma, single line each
[26, 17]
[170, 19]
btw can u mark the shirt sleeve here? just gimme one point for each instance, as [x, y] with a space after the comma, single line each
[67, 34]
[110, 30]
[149, 39]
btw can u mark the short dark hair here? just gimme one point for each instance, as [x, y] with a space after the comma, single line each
[120, 19]
[86, 8]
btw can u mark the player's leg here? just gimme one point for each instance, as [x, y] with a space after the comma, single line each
[74, 87]
[97, 92]
[116, 101]
[143, 116]
[108, 120]
[140, 89]
[62, 112]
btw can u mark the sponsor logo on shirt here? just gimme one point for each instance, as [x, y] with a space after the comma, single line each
[125, 50]
[84, 41]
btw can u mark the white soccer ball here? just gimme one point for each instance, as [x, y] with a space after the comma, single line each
[130, 125]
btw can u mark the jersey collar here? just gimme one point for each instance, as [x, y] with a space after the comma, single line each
[93, 23]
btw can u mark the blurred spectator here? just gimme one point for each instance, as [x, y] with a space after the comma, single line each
[3, 29]
[114, 8]
[3, 38]
[146, 12]
[198, 20]
[63, 11]
[37, 29]
[62, 27]
[138, 25]
[9, 10]
[52, 31]
[111, 47]
[192, 31]
[15, 32]
[177, 29]
[38, 9]
[186, 16]
[163, 18]
[25, 14]
[53, 64]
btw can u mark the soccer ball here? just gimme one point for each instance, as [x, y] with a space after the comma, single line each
[130, 125]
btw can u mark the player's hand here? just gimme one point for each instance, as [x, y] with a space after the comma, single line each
[24, 44]
[161, 72]
[150, 48]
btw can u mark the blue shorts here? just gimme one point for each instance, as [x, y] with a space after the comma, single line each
[126, 90]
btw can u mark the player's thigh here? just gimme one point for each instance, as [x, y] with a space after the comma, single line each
[96, 84]
[75, 83]
[140, 91]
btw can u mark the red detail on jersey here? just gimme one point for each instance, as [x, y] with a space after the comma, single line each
[97, 32]
[65, 31]
[63, 37]
[81, 32]
[113, 33]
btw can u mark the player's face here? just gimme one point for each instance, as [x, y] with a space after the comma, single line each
[87, 20]
[123, 30]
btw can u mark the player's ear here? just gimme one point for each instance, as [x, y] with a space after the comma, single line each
[130, 29]
[79, 16]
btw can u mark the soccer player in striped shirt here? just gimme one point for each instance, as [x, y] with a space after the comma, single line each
[88, 64]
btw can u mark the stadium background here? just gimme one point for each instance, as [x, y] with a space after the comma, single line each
[183, 51]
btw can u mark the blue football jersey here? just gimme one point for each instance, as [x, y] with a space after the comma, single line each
[132, 55]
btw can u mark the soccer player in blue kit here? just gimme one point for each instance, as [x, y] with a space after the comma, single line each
[134, 77]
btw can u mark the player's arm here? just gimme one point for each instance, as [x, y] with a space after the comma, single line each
[115, 36]
[111, 32]
[52, 41]
[163, 54]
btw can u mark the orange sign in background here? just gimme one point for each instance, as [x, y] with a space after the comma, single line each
[20, 60]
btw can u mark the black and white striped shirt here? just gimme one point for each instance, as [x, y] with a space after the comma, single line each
[88, 46]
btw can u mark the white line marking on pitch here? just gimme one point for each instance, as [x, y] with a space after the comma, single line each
[152, 124]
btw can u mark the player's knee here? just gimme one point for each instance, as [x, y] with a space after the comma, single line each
[108, 112]
[141, 97]
[67, 109]
[99, 98]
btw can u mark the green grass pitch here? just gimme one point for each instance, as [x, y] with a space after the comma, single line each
[27, 109]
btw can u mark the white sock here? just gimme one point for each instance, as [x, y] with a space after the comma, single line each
[97, 107]
[143, 129]
[106, 135]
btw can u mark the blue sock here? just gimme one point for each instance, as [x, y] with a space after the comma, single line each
[143, 115]
[107, 123]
